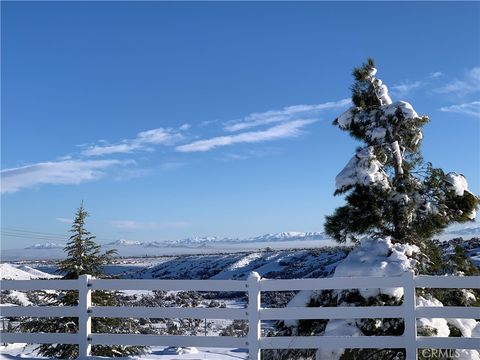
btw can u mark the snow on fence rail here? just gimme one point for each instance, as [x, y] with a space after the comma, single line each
[253, 313]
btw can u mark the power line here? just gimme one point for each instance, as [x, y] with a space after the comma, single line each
[37, 235]
[31, 237]
[30, 232]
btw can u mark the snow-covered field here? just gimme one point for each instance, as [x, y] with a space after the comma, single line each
[238, 265]
[22, 272]
[23, 351]
[292, 263]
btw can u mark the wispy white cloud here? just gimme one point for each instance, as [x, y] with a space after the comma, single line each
[405, 88]
[283, 115]
[140, 225]
[60, 172]
[470, 84]
[249, 153]
[285, 130]
[172, 165]
[472, 109]
[64, 220]
[227, 157]
[130, 173]
[436, 75]
[142, 141]
[97, 150]
[208, 123]
[77, 168]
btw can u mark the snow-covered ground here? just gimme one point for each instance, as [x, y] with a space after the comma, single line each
[275, 264]
[293, 263]
[23, 351]
[22, 272]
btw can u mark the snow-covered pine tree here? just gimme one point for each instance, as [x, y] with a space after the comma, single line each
[83, 257]
[395, 203]
[391, 190]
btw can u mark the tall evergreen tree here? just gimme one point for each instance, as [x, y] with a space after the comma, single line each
[395, 202]
[390, 190]
[83, 257]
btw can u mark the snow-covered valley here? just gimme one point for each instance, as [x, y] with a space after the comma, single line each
[269, 263]
[302, 263]
[293, 263]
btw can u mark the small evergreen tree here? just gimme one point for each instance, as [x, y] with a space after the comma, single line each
[83, 257]
[390, 190]
[83, 253]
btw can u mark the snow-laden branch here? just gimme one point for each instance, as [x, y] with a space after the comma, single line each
[397, 156]
[362, 169]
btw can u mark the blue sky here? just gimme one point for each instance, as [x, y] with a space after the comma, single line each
[180, 119]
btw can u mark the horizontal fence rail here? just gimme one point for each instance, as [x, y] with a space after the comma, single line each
[186, 285]
[253, 313]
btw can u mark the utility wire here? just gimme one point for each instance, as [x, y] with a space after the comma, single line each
[27, 234]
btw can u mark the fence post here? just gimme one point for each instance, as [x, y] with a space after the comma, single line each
[253, 312]
[84, 318]
[409, 304]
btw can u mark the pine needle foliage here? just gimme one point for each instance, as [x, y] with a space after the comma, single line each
[416, 200]
[83, 257]
[83, 253]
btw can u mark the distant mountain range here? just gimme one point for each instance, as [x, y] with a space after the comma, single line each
[203, 241]
[469, 231]
[290, 236]
[46, 246]
[123, 242]
[200, 241]
[207, 241]
[277, 237]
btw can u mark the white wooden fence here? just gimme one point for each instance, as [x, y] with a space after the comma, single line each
[253, 313]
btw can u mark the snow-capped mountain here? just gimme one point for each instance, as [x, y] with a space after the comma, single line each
[153, 244]
[45, 246]
[124, 242]
[275, 237]
[289, 236]
[200, 241]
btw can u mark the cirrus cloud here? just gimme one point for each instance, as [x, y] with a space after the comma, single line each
[472, 108]
[55, 172]
[285, 114]
[405, 88]
[286, 130]
[142, 141]
[468, 85]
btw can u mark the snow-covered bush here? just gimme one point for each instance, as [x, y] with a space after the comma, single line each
[236, 328]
